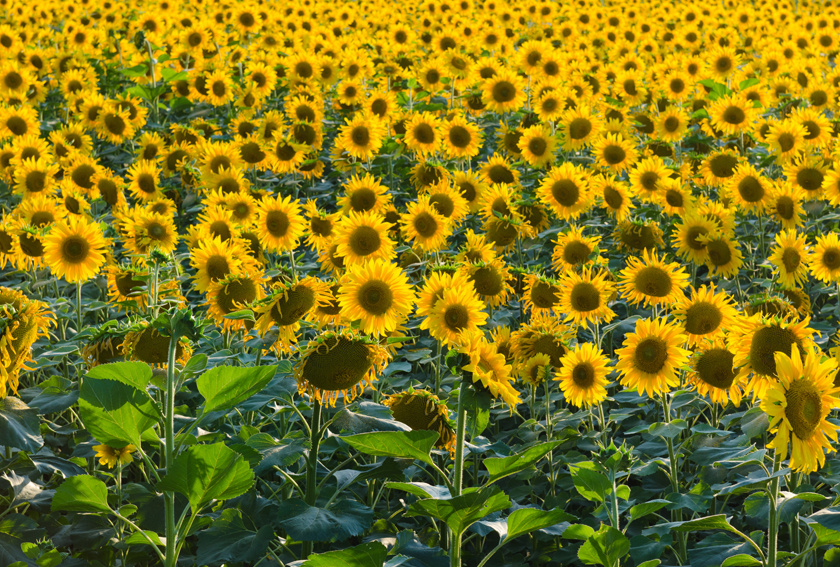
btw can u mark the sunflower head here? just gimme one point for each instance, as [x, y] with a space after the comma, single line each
[22, 322]
[146, 344]
[422, 410]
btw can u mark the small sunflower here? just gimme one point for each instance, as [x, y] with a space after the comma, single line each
[110, 456]
[537, 145]
[686, 237]
[457, 314]
[280, 223]
[583, 375]
[723, 256]
[713, 373]
[579, 126]
[651, 356]
[504, 92]
[566, 191]
[362, 136]
[364, 193]
[460, 137]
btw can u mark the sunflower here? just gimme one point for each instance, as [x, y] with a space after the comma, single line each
[377, 294]
[41, 211]
[18, 121]
[35, 176]
[790, 258]
[748, 188]
[321, 228]
[114, 124]
[550, 105]
[732, 114]
[572, 249]
[719, 167]
[365, 193]
[686, 237]
[584, 297]
[146, 344]
[233, 293]
[758, 338]
[651, 281]
[808, 174]
[672, 124]
[422, 410]
[382, 104]
[215, 259]
[504, 92]
[363, 236]
[579, 125]
[471, 187]
[583, 375]
[651, 356]
[535, 370]
[541, 294]
[475, 249]
[798, 406]
[497, 171]
[566, 190]
[127, 285]
[23, 321]
[424, 226]
[287, 305]
[75, 249]
[488, 368]
[147, 231]
[614, 152]
[421, 133]
[362, 136]
[448, 201]
[817, 125]
[723, 256]
[537, 145]
[111, 456]
[713, 373]
[460, 137]
[143, 178]
[457, 314]
[786, 204]
[280, 223]
[705, 314]
[339, 362]
[786, 138]
[646, 177]
[490, 280]
[824, 262]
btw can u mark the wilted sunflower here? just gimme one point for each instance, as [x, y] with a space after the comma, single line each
[651, 357]
[651, 281]
[790, 258]
[584, 297]
[713, 373]
[104, 346]
[377, 294]
[824, 262]
[583, 375]
[75, 249]
[566, 190]
[23, 321]
[706, 314]
[457, 313]
[232, 293]
[422, 410]
[363, 236]
[758, 338]
[339, 362]
[489, 369]
[798, 406]
[127, 285]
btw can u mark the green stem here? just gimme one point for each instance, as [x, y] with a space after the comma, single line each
[312, 467]
[169, 451]
[79, 307]
[458, 471]
[673, 474]
[773, 519]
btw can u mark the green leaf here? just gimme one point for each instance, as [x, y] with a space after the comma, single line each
[461, 512]
[605, 547]
[341, 520]
[135, 374]
[228, 540]
[717, 522]
[668, 430]
[647, 508]
[740, 560]
[527, 520]
[578, 531]
[137, 539]
[115, 413]
[400, 444]
[590, 482]
[224, 387]
[208, 472]
[500, 467]
[19, 425]
[651, 563]
[82, 493]
[371, 554]
[422, 489]
[477, 405]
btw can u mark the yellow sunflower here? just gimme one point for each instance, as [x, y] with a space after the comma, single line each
[287, 305]
[424, 226]
[422, 410]
[713, 373]
[280, 223]
[75, 249]
[566, 191]
[458, 313]
[572, 249]
[504, 92]
[23, 321]
[363, 236]
[583, 375]
[584, 297]
[824, 262]
[651, 357]
[488, 368]
[705, 314]
[377, 294]
[651, 281]
[790, 258]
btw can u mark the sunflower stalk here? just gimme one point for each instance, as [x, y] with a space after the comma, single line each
[79, 307]
[673, 474]
[312, 466]
[458, 471]
[773, 516]
[169, 449]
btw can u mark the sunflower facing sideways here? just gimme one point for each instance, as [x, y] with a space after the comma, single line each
[798, 405]
[286, 305]
[423, 410]
[489, 369]
[651, 356]
[377, 294]
[583, 375]
[233, 293]
[23, 321]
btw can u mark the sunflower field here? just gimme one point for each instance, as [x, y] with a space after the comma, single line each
[424, 284]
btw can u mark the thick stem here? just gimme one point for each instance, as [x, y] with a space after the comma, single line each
[458, 471]
[169, 451]
[312, 467]
[673, 465]
[773, 519]
[79, 307]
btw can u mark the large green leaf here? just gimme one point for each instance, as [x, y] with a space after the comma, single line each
[500, 467]
[605, 547]
[461, 512]
[527, 520]
[343, 519]
[82, 493]
[115, 413]
[371, 554]
[224, 387]
[135, 374]
[208, 472]
[229, 540]
[19, 425]
[590, 482]
[399, 444]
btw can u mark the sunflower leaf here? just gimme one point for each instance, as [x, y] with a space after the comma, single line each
[19, 425]
[399, 444]
[224, 387]
[500, 467]
[116, 413]
[82, 493]
[461, 512]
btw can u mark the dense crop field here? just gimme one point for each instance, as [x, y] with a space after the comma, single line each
[438, 283]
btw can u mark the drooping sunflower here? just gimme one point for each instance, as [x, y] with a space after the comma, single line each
[424, 226]
[652, 281]
[377, 294]
[127, 285]
[75, 249]
[490, 280]
[798, 405]
[651, 356]
[286, 305]
[147, 231]
[585, 297]
[713, 373]
[566, 190]
[339, 362]
[23, 321]
[637, 235]
[280, 223]
[232, 293]
[458, 313]
[824, 262]
[756, 340]
[422, 410]
[583, 375]
[705, 314]
[146, 344]
[790, 257]
[488, 368]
